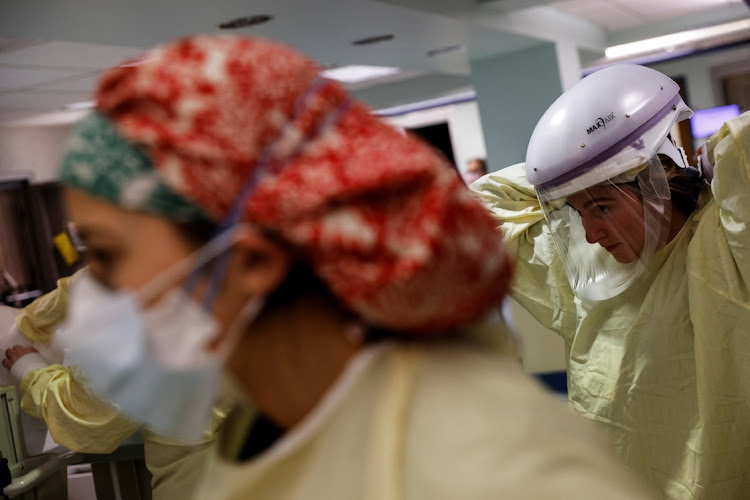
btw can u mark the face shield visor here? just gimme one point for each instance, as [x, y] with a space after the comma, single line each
[607, 233]
[609, 219]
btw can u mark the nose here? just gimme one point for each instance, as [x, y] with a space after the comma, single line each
[595, 230]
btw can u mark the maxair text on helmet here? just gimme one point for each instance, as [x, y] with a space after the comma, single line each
[600, 122]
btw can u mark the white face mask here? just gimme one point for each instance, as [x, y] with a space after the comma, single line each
[152, 363]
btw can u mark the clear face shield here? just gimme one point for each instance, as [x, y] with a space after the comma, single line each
[606, 233]
[594, 161]
[608, 221]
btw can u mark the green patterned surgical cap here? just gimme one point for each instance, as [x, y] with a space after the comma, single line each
[101, 162]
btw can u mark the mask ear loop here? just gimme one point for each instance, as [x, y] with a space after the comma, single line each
[203, 257]
[249, 312]
[264, 167]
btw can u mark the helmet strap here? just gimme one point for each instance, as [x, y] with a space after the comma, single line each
[676, 153]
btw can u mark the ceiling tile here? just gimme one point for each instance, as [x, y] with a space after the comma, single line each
[7, 115]
[602, 12]
[69, 54]
[16, 43]
[35, 118]
[16, 78]
[39, 100]
[78, 83]
[113, 31]
[652, 11]
[619, 14]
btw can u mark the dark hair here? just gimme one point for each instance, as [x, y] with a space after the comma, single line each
[197, 233]
[300, 280]
[684, 184]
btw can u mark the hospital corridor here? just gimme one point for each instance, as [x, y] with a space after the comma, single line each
[374, 249]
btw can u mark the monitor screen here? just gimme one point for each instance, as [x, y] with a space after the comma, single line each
[707, 121]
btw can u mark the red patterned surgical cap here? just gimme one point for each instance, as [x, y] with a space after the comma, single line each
[380, 216]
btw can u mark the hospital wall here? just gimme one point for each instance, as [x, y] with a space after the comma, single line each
[514, 90]
[464, 124]
[32, 150]
[700, 73]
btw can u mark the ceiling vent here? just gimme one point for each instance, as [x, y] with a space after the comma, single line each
[245, 22]
[374, 39]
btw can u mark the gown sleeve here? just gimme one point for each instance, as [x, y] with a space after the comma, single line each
[541, 285]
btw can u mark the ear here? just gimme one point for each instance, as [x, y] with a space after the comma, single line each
[259, 264]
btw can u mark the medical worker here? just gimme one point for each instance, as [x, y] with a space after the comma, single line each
[256, 235]
[641, 263]
[79, 419]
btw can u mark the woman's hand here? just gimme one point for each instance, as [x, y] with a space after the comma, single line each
[12, 355]
[697, 155]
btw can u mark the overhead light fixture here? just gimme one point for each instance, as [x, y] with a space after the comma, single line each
[136, 62]
[695, 39]
[244, 22]
[49, 119]
[78, 106]
[359, 73]
[457, 98]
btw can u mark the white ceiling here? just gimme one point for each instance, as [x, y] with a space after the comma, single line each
[52, 50]
[620, 14]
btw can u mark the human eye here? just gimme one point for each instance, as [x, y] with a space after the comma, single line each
[101, 262]
[100, 256]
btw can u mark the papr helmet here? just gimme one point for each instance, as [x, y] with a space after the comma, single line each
[607, 130]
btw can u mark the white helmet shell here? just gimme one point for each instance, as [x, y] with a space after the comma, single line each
[622, 106]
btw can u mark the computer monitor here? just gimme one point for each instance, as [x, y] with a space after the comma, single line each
[705, 122]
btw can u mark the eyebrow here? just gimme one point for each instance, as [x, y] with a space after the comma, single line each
[596, 201]
[86, 233]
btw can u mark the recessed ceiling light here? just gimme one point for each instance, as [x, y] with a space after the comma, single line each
[48, 119]
[359, 73]
[374, 39]
[76, 106]
[683, 40]
[244, 22]
[457, 98]
[136, 62]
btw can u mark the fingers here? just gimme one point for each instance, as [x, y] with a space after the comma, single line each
[13, 353]
[697, 155]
